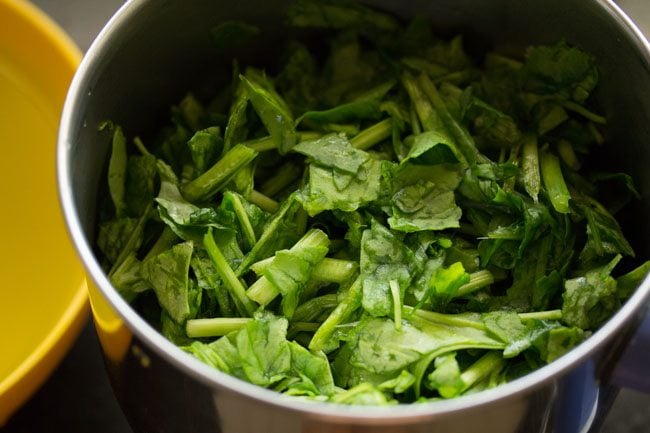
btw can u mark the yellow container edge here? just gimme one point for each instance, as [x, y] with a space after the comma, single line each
[16, 388]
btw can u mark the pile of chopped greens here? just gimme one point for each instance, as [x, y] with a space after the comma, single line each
[386, 220]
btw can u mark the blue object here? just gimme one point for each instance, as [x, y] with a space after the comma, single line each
[577, 400]
[633, 369]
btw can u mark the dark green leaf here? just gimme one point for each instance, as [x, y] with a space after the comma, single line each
[167, 274]
[141, 180]
[205, 146]
[232, 34]
[114, 235]
[117, 167]
[127, 278]
[339, 14]
[628, 283]
[561, 69]
[277, 120]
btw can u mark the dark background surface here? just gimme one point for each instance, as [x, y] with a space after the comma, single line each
[78, 396]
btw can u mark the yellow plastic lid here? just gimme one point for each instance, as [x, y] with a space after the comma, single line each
[42, 291]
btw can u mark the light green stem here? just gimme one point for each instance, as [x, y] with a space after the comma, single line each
[530, 166]
[328, 270]
[244, 222]
[477, 280]
[315, 306]
[285, 176]
[553, 180]
[486, 364]
[262, 291]
[542, 315]
[230, 280]
[215, 327]
[267, 143]
[164, 242]
[218, 176]
[373, 135]
[263, 202]
[577, 108]
[348, 305]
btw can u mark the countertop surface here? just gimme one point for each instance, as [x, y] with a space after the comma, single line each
[78, 397]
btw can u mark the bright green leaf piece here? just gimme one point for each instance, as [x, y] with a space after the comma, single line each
[265, 353]
[384, 258]
[333, 151]
[590, 299]
[331, 189]
[315, 367]
[423, 197]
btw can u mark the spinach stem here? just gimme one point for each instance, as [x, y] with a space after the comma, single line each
[309, 310]
[463, 138]
[334, 270]
[164, 242]
[552, 119]
[220, 292]
[218, 176]
[558, 193]
[285, 176]
[267, 143]
[530, 166]
[261, 144]
[343, 310]
[266, 237]
[491, 361]
[230, 280]
[581, 110]
[117, 168]
[297, 327]
[263, 202]
[214, 327]
[422, 106]
[373, 135]
[329, 270]
[397, 303]
[542, 315]
[565, 150]
[415, 123]
[477, 280]
[263, 291]
[140, 146]
[131, 243]
[462, 320]
[260, 267]
[244, 222]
